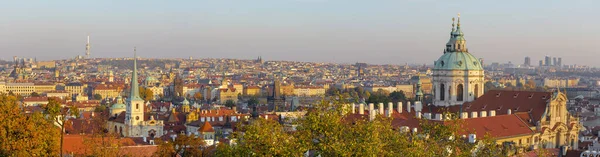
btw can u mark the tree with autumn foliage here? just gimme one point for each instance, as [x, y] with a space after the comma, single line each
[25, 134]
[184, 145]
[58, 115]
[146, 94]
[325, 131]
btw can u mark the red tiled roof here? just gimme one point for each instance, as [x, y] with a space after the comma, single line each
[501, 101]
[496, 126]
[206, 127]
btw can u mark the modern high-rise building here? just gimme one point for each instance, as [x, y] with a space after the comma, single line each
[541, 63]
[527, 61]
[548, 61]
[554, 61]
[559, 63]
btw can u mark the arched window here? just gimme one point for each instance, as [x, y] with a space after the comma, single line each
[137, 106]
[476, 91]
[459, 92]
[442, 91]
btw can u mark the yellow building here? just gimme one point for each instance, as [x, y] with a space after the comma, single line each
[226, 94]
[44, 87]
[76, 88]
[309, 91]
[252, 90]
[108, 90]
[23, 89]
[287, 89]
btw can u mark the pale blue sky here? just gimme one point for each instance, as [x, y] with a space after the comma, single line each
[346, 31]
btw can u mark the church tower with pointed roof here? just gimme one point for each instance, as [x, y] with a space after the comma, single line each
[135, 104]
[134, 122]
[458, 76]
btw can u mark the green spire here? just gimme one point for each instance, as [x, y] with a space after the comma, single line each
[419, 93]
[452, 32]
[458, 32]
[135, 91]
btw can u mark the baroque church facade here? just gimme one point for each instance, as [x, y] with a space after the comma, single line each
[458, 76]
[134, 121]
[458, 79]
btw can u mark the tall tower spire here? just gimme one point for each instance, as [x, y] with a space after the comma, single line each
[87, 48]
[135, 91]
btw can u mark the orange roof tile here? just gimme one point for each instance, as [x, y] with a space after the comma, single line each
[206, 127]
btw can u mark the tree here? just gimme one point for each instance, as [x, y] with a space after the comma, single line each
[146, 94]
[489, 86]
[185, 145]
[252, 101]
[397, 96]
[325, 132]
[58, 115]
[530, 85]
[198, 96]
[263, 138]
[100, 142]
[229, 103]
[34, 94]
[508, 84]
[97, 97]
[24, 134]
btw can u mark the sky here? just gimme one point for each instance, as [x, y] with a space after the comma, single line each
[341, 31]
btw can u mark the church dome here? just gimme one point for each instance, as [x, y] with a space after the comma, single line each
[458, 61]
[150, 79]
[119, 104]
[456, 54]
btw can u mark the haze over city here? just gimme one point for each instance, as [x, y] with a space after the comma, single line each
[382, 32]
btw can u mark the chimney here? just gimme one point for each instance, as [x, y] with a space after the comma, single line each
[483, 114]
[472, 138]
[353, 108]
[399, 107]
[508, 111]
[371, 115]
[418, 106]
[390, 109]
[361, 108]
[408, 106]
[464, 115]
[492, 113]
[474, 114]
[438, 116]
[381, 108]
[418, 115]
[371, 108]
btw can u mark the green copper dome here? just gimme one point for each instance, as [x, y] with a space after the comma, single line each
[118, 106]
[457, 61]
[456, 54]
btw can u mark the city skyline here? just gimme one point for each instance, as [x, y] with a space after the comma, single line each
[387, 32]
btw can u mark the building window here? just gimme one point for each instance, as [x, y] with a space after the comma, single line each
[137, 106]
[459, 92]
[137, 117]
[442, 92]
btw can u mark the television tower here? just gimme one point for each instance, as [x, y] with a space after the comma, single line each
[87, 48]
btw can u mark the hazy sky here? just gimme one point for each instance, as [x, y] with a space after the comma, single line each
[345, 31]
